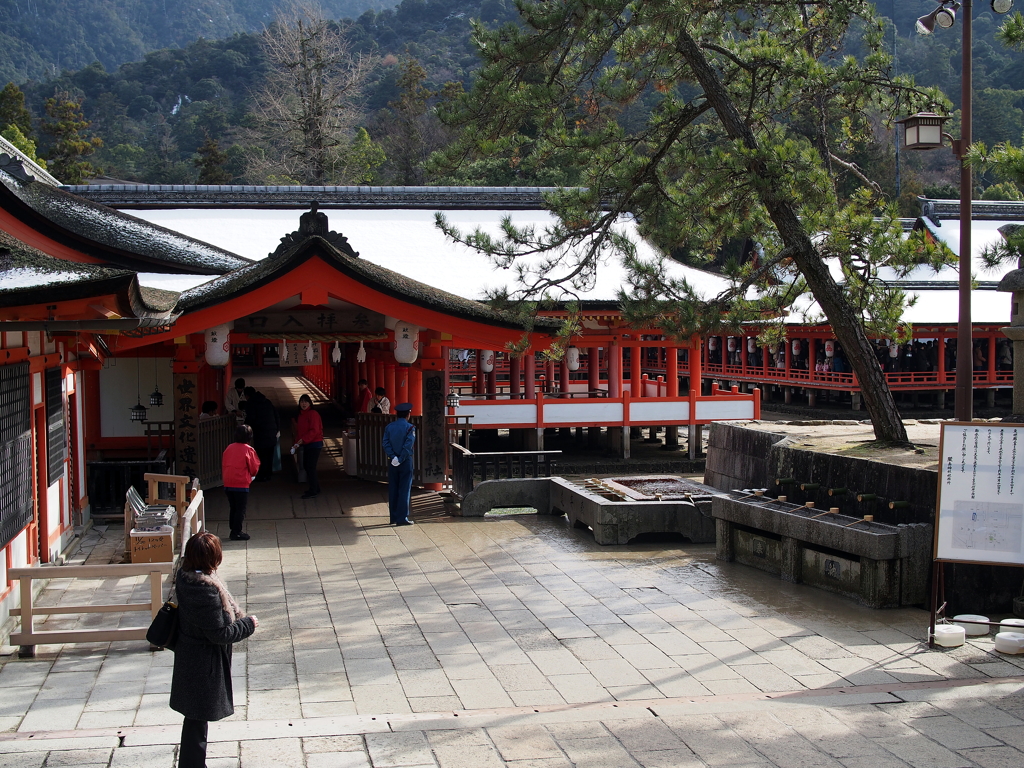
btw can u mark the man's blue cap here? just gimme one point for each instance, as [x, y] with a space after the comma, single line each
[403, 408]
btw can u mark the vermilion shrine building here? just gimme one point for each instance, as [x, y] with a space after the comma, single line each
[103, 314]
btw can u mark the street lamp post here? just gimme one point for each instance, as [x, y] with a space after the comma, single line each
[921, 129]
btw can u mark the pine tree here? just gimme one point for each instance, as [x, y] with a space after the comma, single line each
[748, 112]
[211, 162]
[66, 123]
[13, 110]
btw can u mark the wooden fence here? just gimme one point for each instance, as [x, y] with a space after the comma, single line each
[372, 463]
[29, 637]
[468, 466]
[215, 435]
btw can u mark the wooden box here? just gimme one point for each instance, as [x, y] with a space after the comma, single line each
[152, 546]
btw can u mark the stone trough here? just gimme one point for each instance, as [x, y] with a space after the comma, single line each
[617, 510]
[881, 566]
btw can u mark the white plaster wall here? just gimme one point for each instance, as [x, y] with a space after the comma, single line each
[501, 413]
[32, 339]
[15, 339]
[583, 412]
[659, 411]
[119, 384]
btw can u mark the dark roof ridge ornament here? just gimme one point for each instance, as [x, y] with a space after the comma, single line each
[313, 223]
[15, 167]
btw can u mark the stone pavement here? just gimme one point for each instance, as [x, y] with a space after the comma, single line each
[517, 641]
[513, 641]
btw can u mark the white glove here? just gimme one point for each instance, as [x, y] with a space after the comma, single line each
[395, 462]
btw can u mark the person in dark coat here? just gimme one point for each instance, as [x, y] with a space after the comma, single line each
[209, 621]
[261, 415]
[398, 442]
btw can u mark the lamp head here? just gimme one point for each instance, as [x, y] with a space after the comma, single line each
[1001, 6]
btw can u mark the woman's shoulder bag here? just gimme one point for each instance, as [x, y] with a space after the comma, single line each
[163, 632]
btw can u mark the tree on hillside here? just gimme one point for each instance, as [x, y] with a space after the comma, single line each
[67, 125]
[211, 162]
[409, 130]
[305, 116]
[13, 110]
[752, 111]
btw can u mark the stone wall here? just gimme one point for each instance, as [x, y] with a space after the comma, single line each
[741, 457]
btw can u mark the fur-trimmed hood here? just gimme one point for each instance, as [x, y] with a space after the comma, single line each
[213, 580]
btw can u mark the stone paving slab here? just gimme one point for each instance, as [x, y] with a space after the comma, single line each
[512, 641]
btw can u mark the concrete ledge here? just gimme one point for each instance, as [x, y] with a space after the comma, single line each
[516, 492]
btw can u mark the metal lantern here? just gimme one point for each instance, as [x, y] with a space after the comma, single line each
[138, 412]
[572, 358]
[922, 131]
[486, 360]
[452, 401]
[156, 399]
[407, 343]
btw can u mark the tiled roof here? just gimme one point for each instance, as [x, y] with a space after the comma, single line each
[104, 233]
[29, 276]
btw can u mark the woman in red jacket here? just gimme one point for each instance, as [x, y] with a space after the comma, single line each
[311, 438]
[239, 466]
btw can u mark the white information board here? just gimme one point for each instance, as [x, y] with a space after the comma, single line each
[980, 515]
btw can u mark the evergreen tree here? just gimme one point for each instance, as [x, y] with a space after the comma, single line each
[14, 135]
[750, 112]
[13, 110]
[211, 162]
[67, 125]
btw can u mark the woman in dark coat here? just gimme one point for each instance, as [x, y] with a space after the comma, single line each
[209, 621]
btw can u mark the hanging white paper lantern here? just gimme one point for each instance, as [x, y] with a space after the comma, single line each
[407, 343]
[336, 354]
[572, 359]
[486, 360]
[361, 353]
[751, 344]
[830, 348]
[713, 343]
[730, 343]
[797, 346]
[310, 352]
[218, 345]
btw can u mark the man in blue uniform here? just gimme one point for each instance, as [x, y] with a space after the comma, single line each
[398, 442]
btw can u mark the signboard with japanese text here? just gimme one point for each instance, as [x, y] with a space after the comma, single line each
[294, 353]
[355, 320]
[432, 434]
[980, 501]
[186, 424]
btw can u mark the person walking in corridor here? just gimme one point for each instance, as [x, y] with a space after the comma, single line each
[399, 441]
[261, 415]
[209, 622]
[311, 438]
[238, 466]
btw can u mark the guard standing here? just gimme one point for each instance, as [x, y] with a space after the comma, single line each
[398, 442]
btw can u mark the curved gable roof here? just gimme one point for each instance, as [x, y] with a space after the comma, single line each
[103, 233]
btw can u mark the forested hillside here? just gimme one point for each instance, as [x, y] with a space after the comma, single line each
[41, 38]
[191, 111]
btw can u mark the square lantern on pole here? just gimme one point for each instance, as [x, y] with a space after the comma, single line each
[923, 130]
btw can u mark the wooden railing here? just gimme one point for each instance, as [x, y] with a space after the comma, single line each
[215, 435]
[188, 502]
[29, 637]
[468, 466]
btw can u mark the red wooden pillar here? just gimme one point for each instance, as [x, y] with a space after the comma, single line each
[593, 368]
[401, 385]
[812, 357]
[481, 377]
[615, 370]
[672, 371]
[378, 370]
[492, 379]
[563, 376]
[941, 358]
[530, 385]
[416, 389]
[389, 383]
[992, 358]
[371, 374]
[515, 372]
